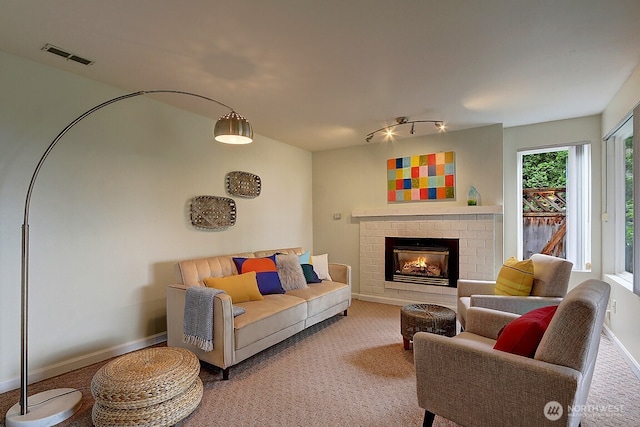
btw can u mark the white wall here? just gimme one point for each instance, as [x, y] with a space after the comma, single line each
[355, 178]
[109, 212]
[625, 318]
[583, 129]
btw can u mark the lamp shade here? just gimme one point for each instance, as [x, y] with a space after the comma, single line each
[232, 128]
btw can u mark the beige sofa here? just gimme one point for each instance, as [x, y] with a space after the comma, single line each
[265, 322]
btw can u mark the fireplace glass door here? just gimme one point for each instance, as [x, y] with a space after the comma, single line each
[428, 266]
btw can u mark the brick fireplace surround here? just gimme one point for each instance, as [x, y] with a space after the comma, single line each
[479, 229]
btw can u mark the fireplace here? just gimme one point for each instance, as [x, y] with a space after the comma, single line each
[422, 261]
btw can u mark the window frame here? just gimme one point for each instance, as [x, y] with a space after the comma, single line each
[617, 139]
[636, 199]
[614, 207]
[578, 201]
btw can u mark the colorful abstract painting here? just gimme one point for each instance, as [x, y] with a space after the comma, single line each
[425, 177]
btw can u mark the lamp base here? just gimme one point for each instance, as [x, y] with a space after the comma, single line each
[47, 408]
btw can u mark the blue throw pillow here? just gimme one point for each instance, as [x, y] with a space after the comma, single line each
[305, 258]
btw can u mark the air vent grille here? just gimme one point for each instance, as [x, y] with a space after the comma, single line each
[68, 55]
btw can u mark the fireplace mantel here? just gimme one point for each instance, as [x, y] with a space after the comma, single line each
[392, 211]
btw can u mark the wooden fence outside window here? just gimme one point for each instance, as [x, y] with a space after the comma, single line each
[544, 221]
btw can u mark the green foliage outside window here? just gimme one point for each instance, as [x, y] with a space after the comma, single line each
[545, 170]
[628, 198]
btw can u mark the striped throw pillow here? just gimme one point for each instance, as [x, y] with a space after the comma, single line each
[515, 278]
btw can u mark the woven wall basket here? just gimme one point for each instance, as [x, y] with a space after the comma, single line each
[212, 212]
[243, 184]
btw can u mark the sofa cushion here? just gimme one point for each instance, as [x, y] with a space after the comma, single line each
[264, 318]
[240, 287]
[266, 273]
[269, 252]
[192, 271]
[322, 296]
[290, 272]
[310, 274]
[522, 336]
[515, 278]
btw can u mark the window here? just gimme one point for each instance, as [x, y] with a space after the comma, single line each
[628, 203]
[619, 203]
[556, 205]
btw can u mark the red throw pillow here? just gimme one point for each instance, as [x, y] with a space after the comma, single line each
[522, 336]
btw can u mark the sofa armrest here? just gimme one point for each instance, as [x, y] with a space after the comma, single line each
[469, 383]
[222, 354]
[340, 272]
[467, 287]
[486, 322]
[179, 286]
[513, 304]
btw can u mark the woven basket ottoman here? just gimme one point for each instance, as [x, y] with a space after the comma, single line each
[426, 318]
[151, 387]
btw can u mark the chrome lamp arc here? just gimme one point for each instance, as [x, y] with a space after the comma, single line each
[51, 407]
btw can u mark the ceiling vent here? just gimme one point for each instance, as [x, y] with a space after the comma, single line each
[68, 55]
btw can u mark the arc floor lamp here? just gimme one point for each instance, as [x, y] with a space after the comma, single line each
[54, 406]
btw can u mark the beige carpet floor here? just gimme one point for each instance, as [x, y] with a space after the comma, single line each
[346, 371]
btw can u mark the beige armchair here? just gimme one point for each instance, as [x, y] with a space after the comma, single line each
[465, 380]
[550, 282]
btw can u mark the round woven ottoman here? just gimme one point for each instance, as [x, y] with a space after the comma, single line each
[151, 387]
[426, 318]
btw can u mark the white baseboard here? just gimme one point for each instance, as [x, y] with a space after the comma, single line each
[82, 361]
[633, 363]
[391, 301]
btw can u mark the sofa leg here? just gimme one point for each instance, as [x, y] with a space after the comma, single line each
[428, 419]
[225, 374]
[345, 313]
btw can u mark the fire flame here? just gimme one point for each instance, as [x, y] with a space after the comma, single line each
[421, 266]
[420, 262]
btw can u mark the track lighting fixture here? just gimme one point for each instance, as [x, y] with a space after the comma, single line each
[388, 130]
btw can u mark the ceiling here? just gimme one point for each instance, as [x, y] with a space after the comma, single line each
[323, 74]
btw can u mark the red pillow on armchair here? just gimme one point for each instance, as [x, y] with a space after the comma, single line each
[522, 335]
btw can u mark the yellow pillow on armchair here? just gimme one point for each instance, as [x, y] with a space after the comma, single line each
[515, 278]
